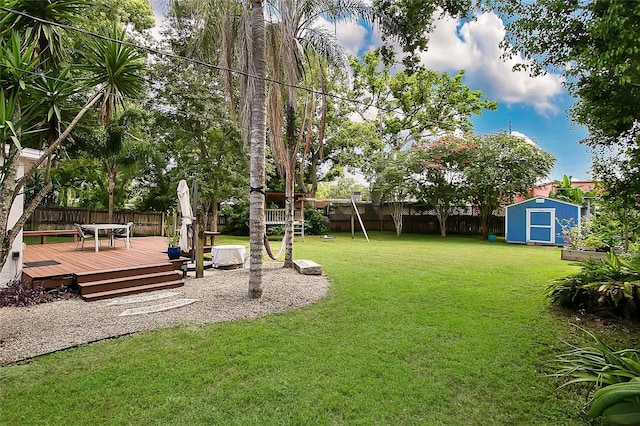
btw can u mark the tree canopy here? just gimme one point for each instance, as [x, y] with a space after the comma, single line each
[594, 44]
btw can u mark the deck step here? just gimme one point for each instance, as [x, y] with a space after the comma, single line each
[125, 282]
[132, 290]
[84, 277]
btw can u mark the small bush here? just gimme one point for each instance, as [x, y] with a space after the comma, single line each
[611, 287]
[275, 230]
[237, 219]
[315, 222]
[19, 293]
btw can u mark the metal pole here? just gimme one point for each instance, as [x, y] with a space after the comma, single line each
[195, 245]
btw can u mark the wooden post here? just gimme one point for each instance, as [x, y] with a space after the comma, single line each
[353, 225]
[200, 256]
[196, 245]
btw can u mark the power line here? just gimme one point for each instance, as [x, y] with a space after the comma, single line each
[211, 66]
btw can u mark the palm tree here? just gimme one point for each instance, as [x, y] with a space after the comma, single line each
[258, 130]
[295, 48]
[114, 75]
[118, 67]
[47, 36]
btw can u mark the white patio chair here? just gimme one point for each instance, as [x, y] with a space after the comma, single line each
[122, 233]
[83, 234]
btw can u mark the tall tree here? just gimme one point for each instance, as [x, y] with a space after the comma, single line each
[258, 133]
[195, 131]
[119, 66]
[501, 167]
[439, 172]
[593, 43]
[408, 108]
[298, 47]
[17, 61]
[392, 170]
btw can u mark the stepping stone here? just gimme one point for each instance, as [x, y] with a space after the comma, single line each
[178, 303]
[126, 300]
[307, 267]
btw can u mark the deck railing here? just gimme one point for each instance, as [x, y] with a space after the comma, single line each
[277, 216]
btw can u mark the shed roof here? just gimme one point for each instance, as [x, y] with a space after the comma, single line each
[544, 198]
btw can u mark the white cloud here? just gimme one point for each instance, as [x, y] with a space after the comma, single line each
[474, 47]
[526, 138]
[159, 14]
[350, 35]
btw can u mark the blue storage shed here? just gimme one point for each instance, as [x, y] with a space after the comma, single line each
[538, 219]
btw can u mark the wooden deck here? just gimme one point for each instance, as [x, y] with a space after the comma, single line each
[62, 264]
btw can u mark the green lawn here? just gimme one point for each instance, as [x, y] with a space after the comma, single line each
[415, 330]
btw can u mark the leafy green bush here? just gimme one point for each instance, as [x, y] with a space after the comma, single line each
[315, 222]
[611, 286]
[237, 222]
[616, 373]
[276, 230]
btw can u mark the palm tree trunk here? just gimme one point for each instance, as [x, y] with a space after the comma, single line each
[289, 190]
[258, 128]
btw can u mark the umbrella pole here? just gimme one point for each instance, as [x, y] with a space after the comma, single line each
[196, 246]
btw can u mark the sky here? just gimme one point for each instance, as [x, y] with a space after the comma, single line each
[534, 107]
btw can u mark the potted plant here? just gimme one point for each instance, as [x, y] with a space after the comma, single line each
[173, 238]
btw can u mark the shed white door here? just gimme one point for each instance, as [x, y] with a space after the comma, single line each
[540, 226]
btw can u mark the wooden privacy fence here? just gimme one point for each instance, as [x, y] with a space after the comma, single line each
[422, 225]
[45, 218]
[415, 219]
[375, 218]
[145, 224]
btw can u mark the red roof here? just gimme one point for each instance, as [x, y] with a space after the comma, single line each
[545, 189]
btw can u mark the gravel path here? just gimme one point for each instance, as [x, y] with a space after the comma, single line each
[220, 296]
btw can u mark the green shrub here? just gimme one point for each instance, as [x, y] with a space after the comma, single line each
[615, 373]
[237, 222]
[315, 222]
[275, 230]
[611, 287]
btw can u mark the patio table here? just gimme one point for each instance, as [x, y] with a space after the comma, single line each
[109, 226]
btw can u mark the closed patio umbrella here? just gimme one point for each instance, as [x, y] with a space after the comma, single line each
[187, 215]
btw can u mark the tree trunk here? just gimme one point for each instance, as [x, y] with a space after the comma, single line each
[111, 188]
[397, 216]
[485, 217]
[289, 189]
[214, 214]
[442, 220]
[257, 130]
[6, 200]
